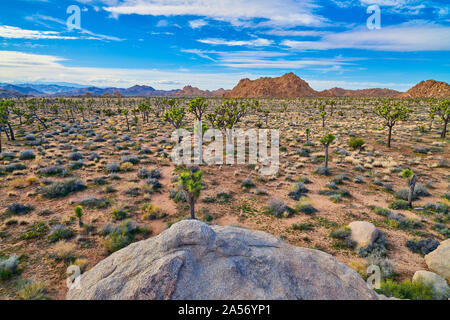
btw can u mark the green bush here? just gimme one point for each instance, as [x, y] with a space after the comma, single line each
[62, 188]
[8, 267]
[356, 143]
[305, 208]
[406, 290]
[399, 205]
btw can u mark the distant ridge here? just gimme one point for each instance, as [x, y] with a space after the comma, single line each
[286, 86]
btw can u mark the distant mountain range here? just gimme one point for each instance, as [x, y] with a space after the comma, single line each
[286, 86]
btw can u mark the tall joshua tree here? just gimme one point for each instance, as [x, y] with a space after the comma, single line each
[191, 183]
[412, 179]
[442, 109]
[392, 113]
[326, 141]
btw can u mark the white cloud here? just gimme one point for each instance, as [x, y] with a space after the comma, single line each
[404, 38]
[11, 32]
[259, 42]
[276, 12]
[195, 24]
[19, 67]
[295, 33]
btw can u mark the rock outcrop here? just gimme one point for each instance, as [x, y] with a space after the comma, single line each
[193, 260]
[438, 260]
[434, 281]
[428, 89]
[340, 92]
[363, 233]
[287, 86]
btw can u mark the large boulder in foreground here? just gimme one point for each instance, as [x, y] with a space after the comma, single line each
[438, 260]
[192, 260]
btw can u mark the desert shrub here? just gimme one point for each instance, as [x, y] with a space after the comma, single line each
[75, 156]
[121, 235]
[446, 195]
[403, 194]
[177, 195]
[247, 183]
[152, 212]
[32, 290]
[359, 179]
[406, 290]
[442, 229]
[93, 202]
[130, 159]
[119, 214]
[278, 208]
[222, 196]
[35, 231]
[112, 167]
[8, 267]
[100, 181]
[63, 251]
[155, 174]
[76, 165]
[340, 179]
[53, 171]
[27, 155]
[322, 171]
[303, 152]
[399, 205]
[7, 156]
[399, 221]
[143, 173]
[421, 191]
[18, 209]
[343, 237]
[356, 143]
[154, 184]
[422, 246]
[304, 179]
[126, 166]
[303, 226]
[60, 232]
[382, 211]
[305, 208]
[62, 188]
[12, 167]
[437, 207]
[377, 248]
[298, 190]
[379, 259]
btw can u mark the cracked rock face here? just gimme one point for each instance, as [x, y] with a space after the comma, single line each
[192, 260]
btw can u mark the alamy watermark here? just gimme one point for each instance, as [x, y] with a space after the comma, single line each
[208, 147]
[374, 21]
[74, 20]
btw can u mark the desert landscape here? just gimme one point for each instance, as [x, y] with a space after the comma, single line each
[86, 175]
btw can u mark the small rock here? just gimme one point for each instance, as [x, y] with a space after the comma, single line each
[363, 233]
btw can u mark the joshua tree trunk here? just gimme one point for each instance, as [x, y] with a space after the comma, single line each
[444, 130]
[128, 124]
[412, 186]
[11, 132]
[191, 206]
[389, 137]
[326, 156]
[323, 122]
[0, 139]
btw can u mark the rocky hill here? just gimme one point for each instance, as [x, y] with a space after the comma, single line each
[189, 91]
[194, 261]
[340, 92]
[428, 89]
[287, 86]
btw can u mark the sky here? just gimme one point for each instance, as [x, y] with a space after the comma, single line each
[211, 44]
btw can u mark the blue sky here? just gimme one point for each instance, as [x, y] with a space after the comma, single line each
[211, 44]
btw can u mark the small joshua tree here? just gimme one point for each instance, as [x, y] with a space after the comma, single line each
[391, 113]
[412, 179]
[191, 183]
[79, 214]
[307, 132]
[175, 116]
[332, 103]
[443, 111]
[326, 141]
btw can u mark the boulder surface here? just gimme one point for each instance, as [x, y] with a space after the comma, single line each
[363, 233]
[439, 260]
[193, 260]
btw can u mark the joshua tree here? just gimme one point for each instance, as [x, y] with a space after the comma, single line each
[125, 113]
[391, 113]
[266, 114]
[197, 107]
[443, 111]
[326, 141]
[191, 183]
[175, 116]
[332, 103]
[79, 214]
[323, 114]
[412, 179]
[307, 131]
